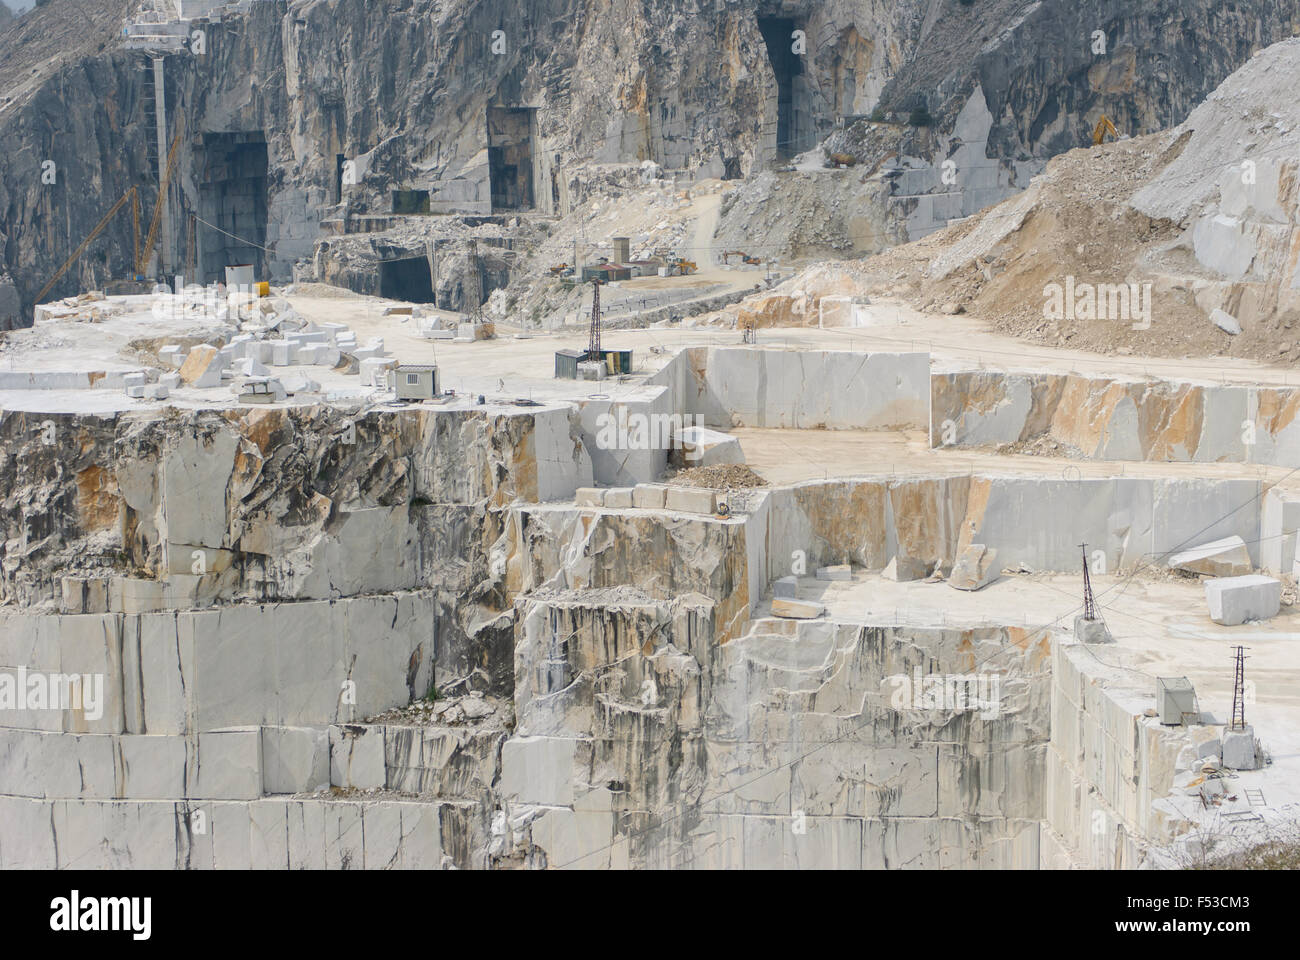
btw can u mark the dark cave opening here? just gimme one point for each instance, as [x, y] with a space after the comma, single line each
[233, 201]
[794, 132]
[510, 157]
[408, 279]
[410, 201]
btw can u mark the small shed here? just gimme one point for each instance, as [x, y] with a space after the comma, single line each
[566, 363]
[606, 272]
[617, 361]
[1176, 701]
[415, 381]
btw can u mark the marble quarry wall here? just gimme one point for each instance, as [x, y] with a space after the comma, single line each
[265, 504]
[644, 742]
[800, 389]
[1108, 769]
[222, 597]
[1036, 521]
[1116, 419]
[266, 611]
[652, 722]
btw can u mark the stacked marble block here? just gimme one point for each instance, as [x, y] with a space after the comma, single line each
[651, 496]
[207, 720]
[431, 328]
[138, 386]
[247, 356]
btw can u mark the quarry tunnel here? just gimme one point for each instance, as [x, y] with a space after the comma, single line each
[510, 157]
[794, 102]
[407, 279]
[233, 199]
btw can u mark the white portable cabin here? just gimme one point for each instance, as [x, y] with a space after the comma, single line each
[415, 381]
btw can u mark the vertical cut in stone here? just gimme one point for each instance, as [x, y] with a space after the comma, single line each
[232, 197]
[793, 113]
[510, 157]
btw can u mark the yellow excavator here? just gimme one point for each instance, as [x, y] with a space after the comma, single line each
[141, 262]
[1104, 126]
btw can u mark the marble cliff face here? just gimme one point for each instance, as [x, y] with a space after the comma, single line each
[413, 100]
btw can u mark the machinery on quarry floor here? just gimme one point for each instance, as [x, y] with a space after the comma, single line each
[1104, 127]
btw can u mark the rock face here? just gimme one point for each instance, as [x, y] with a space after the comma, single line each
[1233, 191]
[10, 304]
[219, 508]
[1116, 419]
[643, 711]
[975, 568]
[421, 102]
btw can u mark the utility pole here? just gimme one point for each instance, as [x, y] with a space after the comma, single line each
[1089, 601]
[1239, 690]
[593, 346]
[1090, 627]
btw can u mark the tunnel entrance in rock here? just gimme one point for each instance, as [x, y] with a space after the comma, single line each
[510, 157]
[410, 201]
[407, 279]
[495, 272]
[794, 133]
[233, 202]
